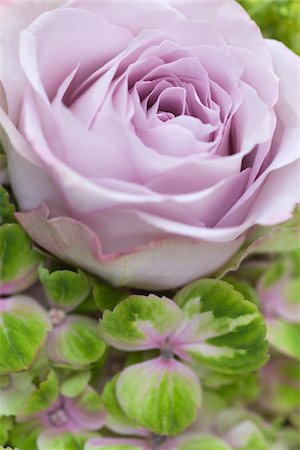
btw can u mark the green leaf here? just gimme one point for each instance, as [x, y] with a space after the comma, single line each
[89, 401]
[53, 440]
[3, 166]
[23, 329]
[160, 395]
[247, 435]
[76, 342]
[274, 273]
[107, 297]
[241, 388]
[43, 396]
[282, 238]
[14, 392]
[278, 20]
[290, 436]
[65, 288]
[24, 435]
[117, 420]
[203, 442]
[111, 447]
[7, 209]
[244, 287]
[284, 337]
[114, 444]
[18, 262]
[139, 322]
[223, 331]
[292, 291]
[73, 386]
[6, 424]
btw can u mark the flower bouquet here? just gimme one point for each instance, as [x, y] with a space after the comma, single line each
[150, 232]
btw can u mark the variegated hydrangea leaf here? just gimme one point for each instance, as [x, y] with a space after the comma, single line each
[280, 386]
[65, 289]
[24, 435]
[86, 410]
[221, 329]
[75, 342]
[24, 326]
[279, 292]
[115, 444]
[65, 417]
[117, 420]
[140, 322]
[107, 297]
[15, 389]
[75, 384]
[284, 337]
[186, 442]
[247, 435]
[6, 424]
[161, 395]
[61, 440]
[244, 287]
[18, 262]
[7, 209]
[44, 394]
[201, 442]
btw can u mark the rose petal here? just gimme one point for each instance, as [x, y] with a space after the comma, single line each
[160, 265]
[135, 16]
[40, 46]
[14, 17]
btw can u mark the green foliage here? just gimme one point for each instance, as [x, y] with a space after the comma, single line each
[278, 19]
[18, 262]
[92, 446]
[66, 289]
[43, 396]
[24, 435]
[90, 401]
[204, 442]
[284, 337]
[6, 424]
[23, 329]
[274, 273]
[230, 331]
[280, 239]
[76, 342]
[117, 419]
[244, 287]
[74, 385]
[62, 441]
[15, 389]
[7, 209]
[161, 397]
[107, 297]
[133, 320]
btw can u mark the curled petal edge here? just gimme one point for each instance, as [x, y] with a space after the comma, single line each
[162, 264]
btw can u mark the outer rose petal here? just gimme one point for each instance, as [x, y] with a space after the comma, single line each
[163, 264]
[14, 17]
[287, 68]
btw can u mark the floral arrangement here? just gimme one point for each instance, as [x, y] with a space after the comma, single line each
[150, 232]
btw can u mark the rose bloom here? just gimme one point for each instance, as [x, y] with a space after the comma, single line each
[145, 139]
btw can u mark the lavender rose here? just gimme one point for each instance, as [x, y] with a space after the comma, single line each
[145, 138]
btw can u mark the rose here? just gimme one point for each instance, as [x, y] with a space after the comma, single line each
[145, 138]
